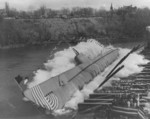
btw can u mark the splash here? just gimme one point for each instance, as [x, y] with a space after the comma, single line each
[64, 60]
[131, 67]
[131, 63]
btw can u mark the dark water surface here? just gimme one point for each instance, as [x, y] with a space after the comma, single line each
[21, 61]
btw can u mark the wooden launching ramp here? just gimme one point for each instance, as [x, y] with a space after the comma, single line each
[101, 104]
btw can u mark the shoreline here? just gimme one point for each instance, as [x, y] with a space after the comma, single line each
[73, 43]
[70, 43]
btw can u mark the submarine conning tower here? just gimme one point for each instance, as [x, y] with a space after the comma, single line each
[80, 57]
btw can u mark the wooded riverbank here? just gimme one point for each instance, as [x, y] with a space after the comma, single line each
[107, 29]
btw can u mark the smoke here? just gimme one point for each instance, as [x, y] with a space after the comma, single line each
[64, 60]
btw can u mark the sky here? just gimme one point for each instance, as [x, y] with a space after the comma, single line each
[58, 4]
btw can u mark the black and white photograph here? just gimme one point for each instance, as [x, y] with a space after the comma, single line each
[74, 59]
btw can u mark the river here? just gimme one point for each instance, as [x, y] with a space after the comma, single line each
[21, 61]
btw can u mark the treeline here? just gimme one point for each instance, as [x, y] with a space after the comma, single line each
[44, 25]
[128, 24]
[44, 12]
[39, 31]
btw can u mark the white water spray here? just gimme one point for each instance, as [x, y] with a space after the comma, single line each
[131, 67]
[64, 60]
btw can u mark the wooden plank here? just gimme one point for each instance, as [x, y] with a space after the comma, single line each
[90, 106]
[97, 100]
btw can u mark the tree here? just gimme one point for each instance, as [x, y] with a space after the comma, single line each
[101, 13]
[65, 11]
[7, 9]
[1, 18]
[42, 11]
[125, 11]
[51, 13]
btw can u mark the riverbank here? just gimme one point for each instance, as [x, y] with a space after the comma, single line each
[123, 45]
[19, 32]
[16, 33]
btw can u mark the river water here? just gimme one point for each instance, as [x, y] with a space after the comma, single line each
[21, 61]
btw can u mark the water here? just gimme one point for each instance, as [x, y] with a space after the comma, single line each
[21, 61]
[91, 49]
